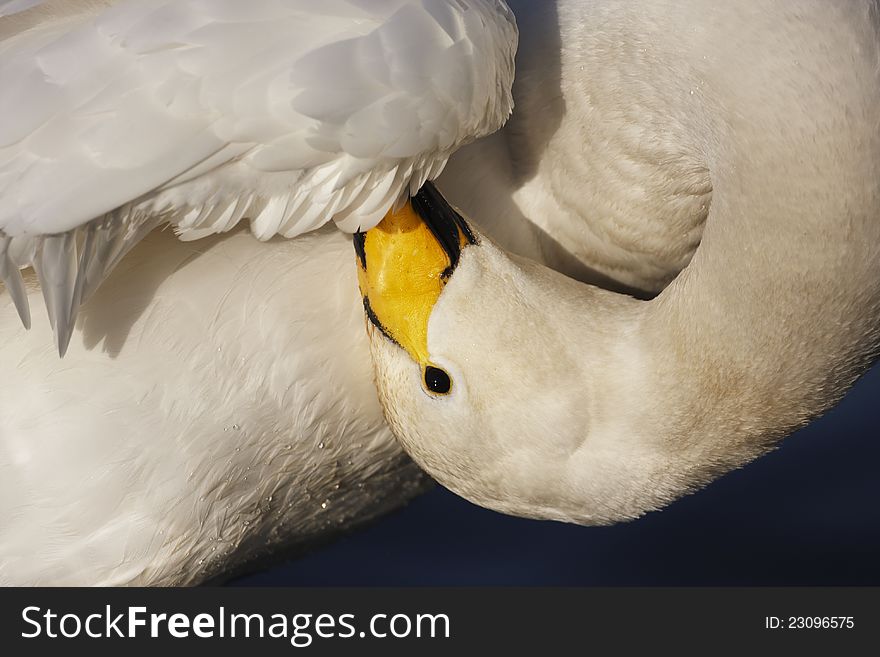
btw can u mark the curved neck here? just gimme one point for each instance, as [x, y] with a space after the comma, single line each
[777, 314]
[778, 311]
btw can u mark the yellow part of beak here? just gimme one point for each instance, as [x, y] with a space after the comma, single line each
[401, 273]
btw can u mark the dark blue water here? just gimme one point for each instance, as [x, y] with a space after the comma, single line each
[808, 513]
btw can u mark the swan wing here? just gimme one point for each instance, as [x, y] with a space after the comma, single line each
[119, 115]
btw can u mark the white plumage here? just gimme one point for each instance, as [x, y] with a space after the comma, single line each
[216, 407]
[203, 112]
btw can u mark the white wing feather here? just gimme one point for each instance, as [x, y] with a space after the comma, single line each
[195, 103]
[291, 113]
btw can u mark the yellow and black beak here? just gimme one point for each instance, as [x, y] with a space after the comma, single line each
[405, 262]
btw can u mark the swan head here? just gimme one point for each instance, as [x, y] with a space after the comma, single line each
[482, 363]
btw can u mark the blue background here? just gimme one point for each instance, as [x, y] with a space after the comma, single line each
[807, 513]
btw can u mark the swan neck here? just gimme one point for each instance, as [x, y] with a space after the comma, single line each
[772, 322]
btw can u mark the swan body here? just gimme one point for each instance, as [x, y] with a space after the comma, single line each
[216, 407]
[117, 465]
[732, 150]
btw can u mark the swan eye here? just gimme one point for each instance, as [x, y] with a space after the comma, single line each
[437, 381]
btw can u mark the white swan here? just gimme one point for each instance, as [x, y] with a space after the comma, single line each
[753, 131]
[623, 100]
